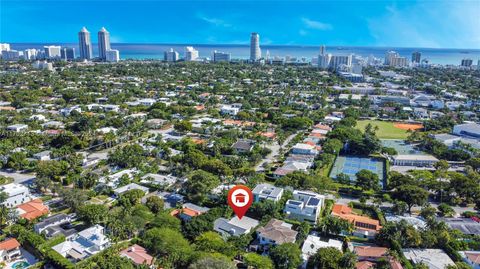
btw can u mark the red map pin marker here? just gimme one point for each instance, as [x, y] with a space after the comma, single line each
[240, 198]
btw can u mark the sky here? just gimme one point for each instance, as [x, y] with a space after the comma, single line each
[401, 23]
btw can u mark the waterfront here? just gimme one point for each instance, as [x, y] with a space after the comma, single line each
[155, 51]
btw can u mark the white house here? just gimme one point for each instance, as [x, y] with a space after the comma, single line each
[16, 194]
[17, 128]
[266, 191]
[146, 101]
[306, 149]
[235, 226]
[229, 110]
[84, 244]
[313, 243]
[129, 187]
[42, 156]
[433, 258]
[9, 250]
[305, 206]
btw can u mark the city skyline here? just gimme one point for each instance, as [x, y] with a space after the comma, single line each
[344, 23]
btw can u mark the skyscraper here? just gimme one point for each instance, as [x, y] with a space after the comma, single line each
[103, 43]
[171, 56]
[255, 53]
[323, 50]
[218, 56]
[52, 52]
[416, 57]
[68, 54]
[389, 55]
[85, 44]
[466, 62]
[191, 54]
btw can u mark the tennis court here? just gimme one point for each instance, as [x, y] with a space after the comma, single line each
[350, 165]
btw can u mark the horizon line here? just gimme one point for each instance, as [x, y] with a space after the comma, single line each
[247, 45]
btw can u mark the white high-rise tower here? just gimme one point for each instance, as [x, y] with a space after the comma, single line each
[255, 53]
[103, 43]
[85, 44]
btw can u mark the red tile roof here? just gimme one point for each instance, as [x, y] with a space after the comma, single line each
[9, 244]
[364, 265]
[372, 252]
[33, 209]
[345, 212]
[138, 255]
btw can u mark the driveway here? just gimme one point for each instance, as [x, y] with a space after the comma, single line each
[18, 177]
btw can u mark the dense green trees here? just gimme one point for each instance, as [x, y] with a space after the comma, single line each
[367, 180]
[200, 184]
[286, 256]
[411, 195]
[332, 258]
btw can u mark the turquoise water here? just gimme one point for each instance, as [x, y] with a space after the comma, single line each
[20, 265]
[155, 51]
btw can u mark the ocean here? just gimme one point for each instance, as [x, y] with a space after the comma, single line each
[155, 51]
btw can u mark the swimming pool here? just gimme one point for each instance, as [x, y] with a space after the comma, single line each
[20, 264]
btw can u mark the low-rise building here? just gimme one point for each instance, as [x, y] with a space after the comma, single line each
[229, 110]
[370, 253]
[161, 180]
[138, 255]
[235, 226]
[32, 209]
[16, 194]
[129, 187]
[265, 191]
[364, 226]
[313, 243]
[414, 160]
[304, 149]
[464, 225]
[468, 130]
[243, 146]
[189, 211]
[433, 258]
[472, 258]
[276, 232]
[52, 225]
[9, 250]
[42, 156]
[304, 206]
[17, 128]
[84, 244]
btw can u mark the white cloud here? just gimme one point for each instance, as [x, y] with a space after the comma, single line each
[317, 25]
[213, 21]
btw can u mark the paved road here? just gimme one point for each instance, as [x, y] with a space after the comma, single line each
[17, 176]
[275, 148]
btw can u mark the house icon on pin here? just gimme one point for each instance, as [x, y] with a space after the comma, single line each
[240, 198]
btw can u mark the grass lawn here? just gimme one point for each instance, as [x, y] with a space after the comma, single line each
[386, 130]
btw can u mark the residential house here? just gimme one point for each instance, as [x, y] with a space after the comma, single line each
[472, 258]
[471, 130]
[313, 243]
[364, 226]
[243, 146]
[464, 225]
[275, 232]
[129, 187]
[160, 180]
[189, 211]
[304, 206]
[229, 110]
[17, 128]
[370, 253]
[304, 149]
[53, 225]
[235, 226]
[84, 244]
[9, 250]
[42, 156]
[265, 191]
[32, 209]
[433, 258]
[138, 255]
[16, 194]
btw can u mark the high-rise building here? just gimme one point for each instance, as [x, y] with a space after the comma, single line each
[255, 53]
[191, 54]
[85, 44]
[323, 50]
[267, 55]
[4, 46]
[398, 61]
[43, 65]
[324, 61]
[337, 61]
[30, 54]
[10, 55]
[467, 62]
[478, 65]
[52, 52]
[171, 55]
[68, 54]
[416, 57]
[221, 56]
[112, 56]
[389, 55]
[103, 43]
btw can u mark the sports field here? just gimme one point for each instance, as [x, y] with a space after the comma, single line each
[386, 129]
[350, 165]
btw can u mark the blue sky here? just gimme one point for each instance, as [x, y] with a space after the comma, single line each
[403, 23]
